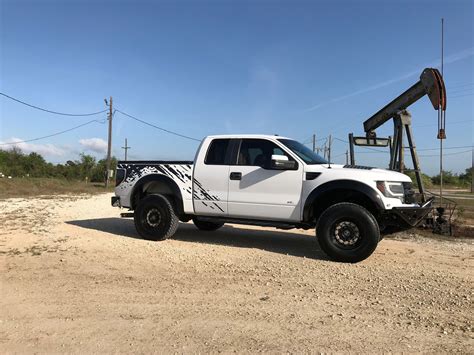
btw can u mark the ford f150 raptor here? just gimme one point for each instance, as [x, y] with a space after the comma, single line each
[269, 181]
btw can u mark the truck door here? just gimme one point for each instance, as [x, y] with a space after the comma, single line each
[258, 192]
[210, 180]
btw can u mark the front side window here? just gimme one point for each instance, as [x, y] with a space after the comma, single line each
[258, 152]
[303, 152]
[217, 152]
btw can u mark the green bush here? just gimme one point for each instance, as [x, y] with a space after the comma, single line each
[449, 178]
[15, 163]
[426, 180]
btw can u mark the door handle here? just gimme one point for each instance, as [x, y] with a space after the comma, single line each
[235, 176]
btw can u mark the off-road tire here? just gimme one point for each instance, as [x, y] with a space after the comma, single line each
[206, 226]
[347, 232]
[155, 218]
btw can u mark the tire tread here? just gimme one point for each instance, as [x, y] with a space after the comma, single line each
[344, 255]
[172, 225]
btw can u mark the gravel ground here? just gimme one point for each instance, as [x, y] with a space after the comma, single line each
[76, 278]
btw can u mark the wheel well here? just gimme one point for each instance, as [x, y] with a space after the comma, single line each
[331, 197]
[158, 185]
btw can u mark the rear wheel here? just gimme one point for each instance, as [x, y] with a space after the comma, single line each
[155, 218]
[347, 232]
[206, 226]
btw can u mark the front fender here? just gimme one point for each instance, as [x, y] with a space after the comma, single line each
[320, 193]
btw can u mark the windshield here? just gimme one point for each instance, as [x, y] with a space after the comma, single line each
[302, 151]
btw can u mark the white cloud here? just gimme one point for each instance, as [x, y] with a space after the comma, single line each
[97, 145]
[43, 149]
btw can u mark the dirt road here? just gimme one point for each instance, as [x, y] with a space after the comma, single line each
[76, 278]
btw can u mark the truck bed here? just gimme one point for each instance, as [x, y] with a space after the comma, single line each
[180, 172]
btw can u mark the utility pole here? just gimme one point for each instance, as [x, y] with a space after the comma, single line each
[314, 143]
[441, 132]
[109, 144]
[347, 157]
[126, 147]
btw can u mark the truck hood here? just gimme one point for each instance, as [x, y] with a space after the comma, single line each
[357, 172]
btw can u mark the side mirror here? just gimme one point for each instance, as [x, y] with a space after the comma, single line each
[281, 162]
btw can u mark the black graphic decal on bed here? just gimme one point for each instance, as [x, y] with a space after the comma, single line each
[179, 173]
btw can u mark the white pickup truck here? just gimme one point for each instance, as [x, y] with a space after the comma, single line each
[269, 181]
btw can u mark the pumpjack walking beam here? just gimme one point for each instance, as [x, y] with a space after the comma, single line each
[431, 84]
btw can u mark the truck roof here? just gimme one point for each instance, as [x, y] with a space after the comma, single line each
[271, 136]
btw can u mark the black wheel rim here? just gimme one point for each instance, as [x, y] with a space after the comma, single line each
[346, 234]
[152, 219]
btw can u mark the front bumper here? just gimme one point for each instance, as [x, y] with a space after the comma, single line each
[116, 201]
[406, 217]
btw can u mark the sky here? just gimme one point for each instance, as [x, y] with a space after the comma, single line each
[293, 68]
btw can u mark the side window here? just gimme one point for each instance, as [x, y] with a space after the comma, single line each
[279, 151]
[258, 152]
[217, 152]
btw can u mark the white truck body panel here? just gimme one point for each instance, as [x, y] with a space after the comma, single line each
[213, 184]
[268, 194]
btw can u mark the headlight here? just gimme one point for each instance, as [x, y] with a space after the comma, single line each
[391, 189]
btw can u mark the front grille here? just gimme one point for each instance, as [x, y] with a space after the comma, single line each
[408, 192]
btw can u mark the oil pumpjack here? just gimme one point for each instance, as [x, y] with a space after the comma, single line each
[431, 83]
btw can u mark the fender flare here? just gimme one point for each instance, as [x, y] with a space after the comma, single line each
[327, 187]
[162, 179]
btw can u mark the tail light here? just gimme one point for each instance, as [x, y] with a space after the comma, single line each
[120, 176]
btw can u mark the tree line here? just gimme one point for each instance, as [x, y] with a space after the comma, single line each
[15, 163]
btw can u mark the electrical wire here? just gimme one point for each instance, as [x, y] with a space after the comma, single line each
[422, 155]
[455, 97]
[450, 123]
[460, 91]
[157, 127]
[50, 111]
[53, 134]
[460, 147]
[419, 150]
[437, 155]
[460, 85]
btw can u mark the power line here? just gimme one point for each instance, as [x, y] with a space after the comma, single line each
[420, 150]
[460, 147]
[455, 97]
[460, 85]
[53, 134]
[425, 155]
[461, 90]
[437, 155]
[450, 123]
[50, 111]
[157, 127]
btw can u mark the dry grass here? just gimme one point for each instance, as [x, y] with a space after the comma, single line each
[26, 187]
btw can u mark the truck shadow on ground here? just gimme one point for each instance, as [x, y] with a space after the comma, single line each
[270, 240]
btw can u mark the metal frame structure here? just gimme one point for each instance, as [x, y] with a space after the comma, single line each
[431, 84]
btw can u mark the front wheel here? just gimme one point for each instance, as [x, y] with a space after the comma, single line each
[347, 232]
[155, 218]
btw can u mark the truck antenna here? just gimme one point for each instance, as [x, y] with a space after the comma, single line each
[329, 151]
